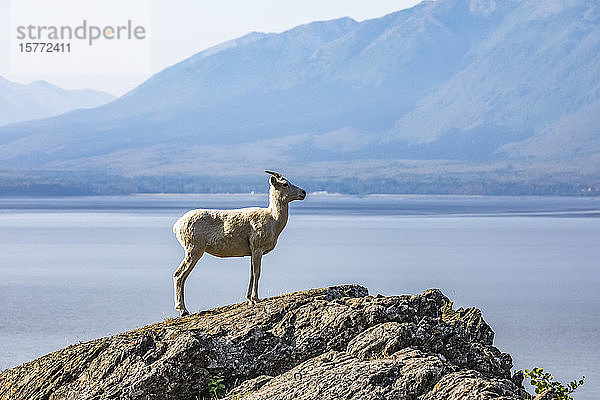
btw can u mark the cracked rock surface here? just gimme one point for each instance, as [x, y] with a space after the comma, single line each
[330, 343]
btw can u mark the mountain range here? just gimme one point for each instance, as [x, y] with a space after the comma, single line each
[40, 99]
[450, 96]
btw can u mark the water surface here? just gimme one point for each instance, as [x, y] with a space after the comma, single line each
[74, 269]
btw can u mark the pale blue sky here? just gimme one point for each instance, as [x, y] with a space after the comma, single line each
[181, 28]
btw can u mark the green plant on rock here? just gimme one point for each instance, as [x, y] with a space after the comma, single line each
[379, 356]
[544, 381]
[448, 314]
[215, 386]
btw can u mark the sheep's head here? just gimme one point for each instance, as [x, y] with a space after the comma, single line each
[284, 188]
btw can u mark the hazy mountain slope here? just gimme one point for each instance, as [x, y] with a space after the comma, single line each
[40, 99]
[314, 79]
[495, 87]
[538, 74]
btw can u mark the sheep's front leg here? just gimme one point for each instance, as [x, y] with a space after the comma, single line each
[250, 283]
[255, 266]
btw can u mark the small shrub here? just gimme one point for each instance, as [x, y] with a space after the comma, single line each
[215, 386]
[544, 381]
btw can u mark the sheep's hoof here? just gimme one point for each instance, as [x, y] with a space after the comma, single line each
[183, 312]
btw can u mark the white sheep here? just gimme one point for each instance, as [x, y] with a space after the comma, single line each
[234, 233]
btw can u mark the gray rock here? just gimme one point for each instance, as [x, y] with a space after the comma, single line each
[547, 394]
[329, 343]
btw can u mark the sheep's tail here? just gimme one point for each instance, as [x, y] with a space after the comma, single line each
[178, 230]
[184, 229]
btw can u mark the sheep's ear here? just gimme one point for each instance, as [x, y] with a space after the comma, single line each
[273, 180]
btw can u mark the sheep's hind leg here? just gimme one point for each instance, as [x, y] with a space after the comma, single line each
[180, 276]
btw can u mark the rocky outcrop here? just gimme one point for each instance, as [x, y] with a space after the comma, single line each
[331, 343]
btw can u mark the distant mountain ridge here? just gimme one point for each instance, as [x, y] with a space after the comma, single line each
[473, 92]
[40, 99]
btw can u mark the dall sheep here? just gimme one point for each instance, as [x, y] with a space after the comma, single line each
[234, 233]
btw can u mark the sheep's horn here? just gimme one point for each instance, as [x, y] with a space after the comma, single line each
[275, 174]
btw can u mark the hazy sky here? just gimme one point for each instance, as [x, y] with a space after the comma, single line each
[176, 29]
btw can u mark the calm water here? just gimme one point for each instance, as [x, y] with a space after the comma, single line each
[79, 268]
